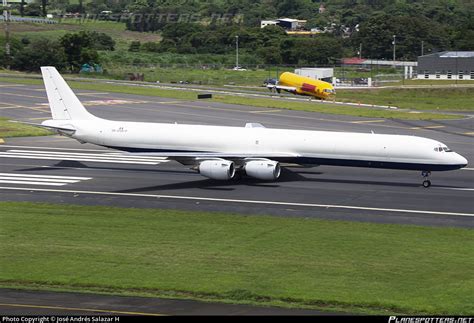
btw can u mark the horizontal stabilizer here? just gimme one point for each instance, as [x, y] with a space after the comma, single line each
[62, 129]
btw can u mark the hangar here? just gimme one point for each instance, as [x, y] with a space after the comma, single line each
[449, 65]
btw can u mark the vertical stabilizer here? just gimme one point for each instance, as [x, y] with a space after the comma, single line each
[63, 103]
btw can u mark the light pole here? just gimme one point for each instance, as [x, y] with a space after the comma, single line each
[394, 47]
[237, 52]
[360, 51]
[422, 47]
[6, 19]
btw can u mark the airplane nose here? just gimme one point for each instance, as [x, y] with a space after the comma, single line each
[461, 161]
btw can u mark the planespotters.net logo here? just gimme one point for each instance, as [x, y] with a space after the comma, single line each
[395, 319]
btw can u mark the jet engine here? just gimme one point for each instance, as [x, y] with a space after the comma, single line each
[263, 169]
[219, 169]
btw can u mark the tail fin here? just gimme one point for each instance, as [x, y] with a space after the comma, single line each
[63, 102]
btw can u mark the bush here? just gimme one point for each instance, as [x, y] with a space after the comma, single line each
[151, 47]
[134, 46]
[101, 41]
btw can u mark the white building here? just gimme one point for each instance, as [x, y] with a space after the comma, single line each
[325, 74]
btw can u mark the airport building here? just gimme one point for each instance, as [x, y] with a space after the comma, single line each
[451, 65]
[323, 74]
[286, 23]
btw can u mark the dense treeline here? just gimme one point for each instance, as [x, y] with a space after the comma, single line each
[270, 44]
[68, 53]
[210, 28]
[439, 24]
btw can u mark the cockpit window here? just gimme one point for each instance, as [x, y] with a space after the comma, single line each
[328, 91]
[441, 149]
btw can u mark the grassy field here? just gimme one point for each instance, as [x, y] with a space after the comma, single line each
[448, 99]
[114, 29]
[10, 129]
[257, 102]
[329, 265]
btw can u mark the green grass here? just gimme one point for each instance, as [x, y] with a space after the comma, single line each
[117, 30]
[10, 129]
[257, 102]
[219, 76]
[329, 265]
[449, 99]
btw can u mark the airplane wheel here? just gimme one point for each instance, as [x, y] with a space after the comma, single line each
[426, 183]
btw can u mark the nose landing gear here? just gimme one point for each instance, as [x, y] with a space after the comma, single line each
[426, 181]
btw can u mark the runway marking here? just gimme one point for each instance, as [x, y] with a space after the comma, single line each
[427, 127]
[103, 102]
[170, 102]
[41, 118]
[368, 121]
[24, 95]
[111, 155]
[469, 133]
[15, 106]
[98, 158]
[47, 180]
[91, 93]
[456, 188]
[12, 85]
[265, 111]
[73, 149]
[211, 199]
[467, 168]
[45, 176]
[78, 309]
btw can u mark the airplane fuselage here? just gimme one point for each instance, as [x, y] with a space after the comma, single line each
[296, 146]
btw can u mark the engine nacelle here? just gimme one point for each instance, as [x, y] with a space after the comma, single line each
[219, 169]
[263, 169]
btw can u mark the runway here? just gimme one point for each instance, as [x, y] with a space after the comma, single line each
[60, 170]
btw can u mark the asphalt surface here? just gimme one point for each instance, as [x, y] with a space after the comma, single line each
[61, 170]
[18, 302]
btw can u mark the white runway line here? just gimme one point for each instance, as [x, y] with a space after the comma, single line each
[117, 158]
[210, 199]
[45, 176]
[46, 180]
[32, 183]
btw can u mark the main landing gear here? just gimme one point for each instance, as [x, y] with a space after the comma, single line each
[426, 181]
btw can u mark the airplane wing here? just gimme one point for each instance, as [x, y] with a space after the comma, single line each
[207, 155]
[187, 158]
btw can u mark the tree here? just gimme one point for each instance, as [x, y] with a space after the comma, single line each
[43, 7]
[40, 52]
[79, 49]
[376, 36]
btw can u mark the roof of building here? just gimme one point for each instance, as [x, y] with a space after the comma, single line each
[453, 54]
[288, 19]
[457, 54]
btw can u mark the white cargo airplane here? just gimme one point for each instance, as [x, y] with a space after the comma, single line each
[222, 152]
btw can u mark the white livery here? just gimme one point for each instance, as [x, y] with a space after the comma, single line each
[222, 152]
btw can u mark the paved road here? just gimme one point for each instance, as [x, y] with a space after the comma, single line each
[96, 176]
